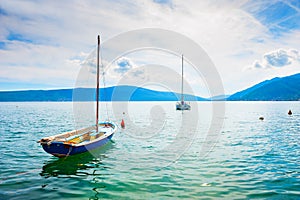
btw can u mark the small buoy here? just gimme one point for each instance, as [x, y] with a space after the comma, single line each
[290, 112]
[261, 118]
[122, 124]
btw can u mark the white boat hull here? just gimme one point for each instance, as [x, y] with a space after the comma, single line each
[183, 106]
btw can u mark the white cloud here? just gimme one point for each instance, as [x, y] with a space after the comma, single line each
[123, 65]
[62, 32]
[278, 58]
[26, 62]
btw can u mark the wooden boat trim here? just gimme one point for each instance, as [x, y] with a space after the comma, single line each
[67, 137]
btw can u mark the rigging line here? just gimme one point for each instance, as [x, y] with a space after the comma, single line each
[104, 86]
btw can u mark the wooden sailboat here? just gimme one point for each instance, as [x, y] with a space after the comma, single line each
[182, 105]
[82, 140]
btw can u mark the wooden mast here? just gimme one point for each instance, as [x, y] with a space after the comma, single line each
[97, 90]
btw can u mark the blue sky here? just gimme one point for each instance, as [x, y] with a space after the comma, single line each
[43, 43]
[278, 16]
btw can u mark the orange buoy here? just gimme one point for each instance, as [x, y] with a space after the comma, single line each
[122, 124]
[290, 112]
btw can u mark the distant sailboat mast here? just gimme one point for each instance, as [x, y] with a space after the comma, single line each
[182, 105]
[97, 90]
[182, 100]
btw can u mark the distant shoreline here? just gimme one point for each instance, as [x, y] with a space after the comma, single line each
[276, 89]
[205, 101]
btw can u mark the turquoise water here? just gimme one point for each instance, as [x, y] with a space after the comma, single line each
[152, 158]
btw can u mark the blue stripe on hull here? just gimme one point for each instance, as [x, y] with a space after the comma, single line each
[60, 149]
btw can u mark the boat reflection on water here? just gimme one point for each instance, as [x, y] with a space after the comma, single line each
[77, 165]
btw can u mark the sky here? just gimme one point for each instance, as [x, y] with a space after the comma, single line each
[43, 44]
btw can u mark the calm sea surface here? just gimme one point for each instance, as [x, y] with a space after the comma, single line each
[161, 154]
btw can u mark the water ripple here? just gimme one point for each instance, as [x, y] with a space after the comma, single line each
[251, 159]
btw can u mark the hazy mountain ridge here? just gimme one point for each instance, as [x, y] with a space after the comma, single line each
[115, 93]
[277, 89]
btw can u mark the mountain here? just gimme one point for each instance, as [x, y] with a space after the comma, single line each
[37, 95]
[219, 97]
[115, 93]
[277, 89]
